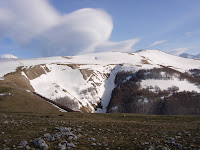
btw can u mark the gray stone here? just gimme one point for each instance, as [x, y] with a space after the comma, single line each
[164, 148]
[171, 139]
[104, 138]
[20, 147]
[63, 129]
[104, 143]
[67, 133]
[71, 145]
[178, 137]
[91, 139]
[179, 134]
[178, 145]
[52, 139]
[40, 143]
[5, 122]
[23, 143]
[57, 135]
[75, 138]
[70, 138]
[93, 144]
[79, 135]
[28, 147]
[99, 144]
[145, 143]
[62, 146]
[47, 136]
[64, 142]
[151, 148]
[186, 132]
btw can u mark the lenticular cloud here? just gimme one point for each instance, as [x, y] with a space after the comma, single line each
[38, 26]
[79, 31]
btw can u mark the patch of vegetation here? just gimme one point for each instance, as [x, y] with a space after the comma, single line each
[66, 102]
[129, 97]
[5, 89]
[195, 73]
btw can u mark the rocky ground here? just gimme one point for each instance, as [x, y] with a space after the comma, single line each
[98, 131]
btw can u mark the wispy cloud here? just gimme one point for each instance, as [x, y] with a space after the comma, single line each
[157, 42]
[188, 33]
[123, 46]
[37, 25]
[192, 33]
[179, 51]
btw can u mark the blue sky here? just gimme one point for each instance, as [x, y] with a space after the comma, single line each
[64, 27]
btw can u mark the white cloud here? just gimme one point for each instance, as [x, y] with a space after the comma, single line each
[158, 42]
[22, 20]
[37, 25]
[188, 33]
[195, 32]
[179, 51]
[124, 46]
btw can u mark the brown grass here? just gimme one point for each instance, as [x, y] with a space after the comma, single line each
[144, 61]
[120, 131]
[86, 73]
[16, 80]
[23, 101]
[36, 71]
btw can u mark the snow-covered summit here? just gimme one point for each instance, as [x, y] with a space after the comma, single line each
[8, 56]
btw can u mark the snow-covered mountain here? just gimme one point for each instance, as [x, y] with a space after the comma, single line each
[8, 56]
[86, 82]
[185, 55]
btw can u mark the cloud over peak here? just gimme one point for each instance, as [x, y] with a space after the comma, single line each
[38, 26]
[179, 51]
[157, 42]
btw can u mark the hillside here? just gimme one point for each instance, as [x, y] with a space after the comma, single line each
[88, 83]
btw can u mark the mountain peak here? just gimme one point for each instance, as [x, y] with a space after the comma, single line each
[185, 55]
[8, 56]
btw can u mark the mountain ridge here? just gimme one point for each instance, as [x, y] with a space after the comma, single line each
[185, 55]
[86, 82]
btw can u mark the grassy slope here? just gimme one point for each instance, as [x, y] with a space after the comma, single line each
[21, 100]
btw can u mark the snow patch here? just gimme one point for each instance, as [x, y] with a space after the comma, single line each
[108, 88]
[24, 75]
[5, 94]
[183, 85]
